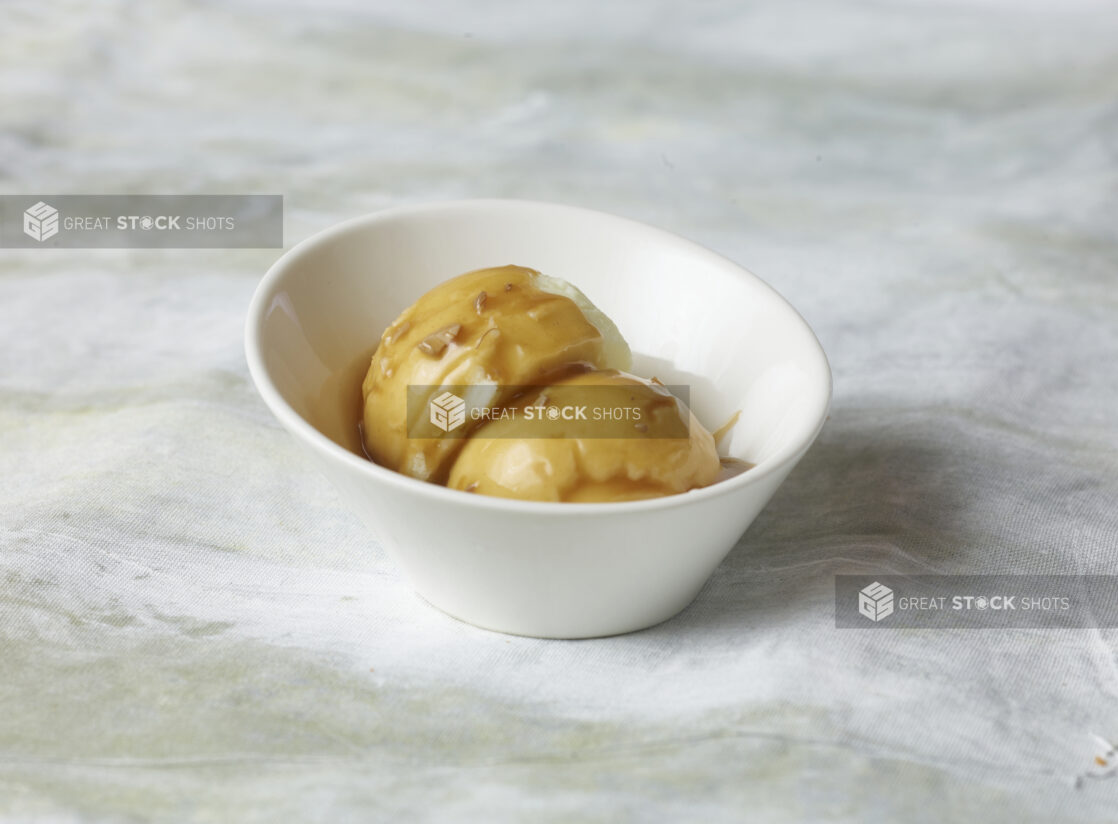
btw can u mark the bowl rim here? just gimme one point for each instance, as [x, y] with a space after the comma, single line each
[303, 429]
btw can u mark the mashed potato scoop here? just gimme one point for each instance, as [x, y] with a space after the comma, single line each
[492, 330]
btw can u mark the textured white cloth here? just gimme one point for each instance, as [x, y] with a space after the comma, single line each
[193, 628]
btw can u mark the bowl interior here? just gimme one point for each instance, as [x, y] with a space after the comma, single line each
[690, 316]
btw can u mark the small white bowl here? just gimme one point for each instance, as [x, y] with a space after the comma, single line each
[554, 570]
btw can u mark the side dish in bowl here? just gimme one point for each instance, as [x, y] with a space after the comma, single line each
[562, 529]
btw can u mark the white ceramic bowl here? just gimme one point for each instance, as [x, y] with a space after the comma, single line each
[544, 569]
